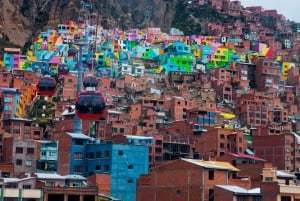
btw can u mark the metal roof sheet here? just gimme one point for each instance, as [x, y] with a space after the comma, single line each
[212, 164]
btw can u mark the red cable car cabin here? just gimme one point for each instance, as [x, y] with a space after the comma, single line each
[46, 86]
[63, 69]
[90, 105]
[90, 81]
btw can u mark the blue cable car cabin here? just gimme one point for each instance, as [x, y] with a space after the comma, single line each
[63, 69]
[90, 105]
[46, 86]
[90, 81]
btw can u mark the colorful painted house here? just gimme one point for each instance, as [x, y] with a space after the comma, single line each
[178, 62]
[11, 58]
[25, 99]
[10, 102]
[285, 67]
[221, 58]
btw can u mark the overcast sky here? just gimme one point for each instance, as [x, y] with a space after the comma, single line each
[289, 8]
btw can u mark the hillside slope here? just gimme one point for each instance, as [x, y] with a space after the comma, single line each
[20, 20]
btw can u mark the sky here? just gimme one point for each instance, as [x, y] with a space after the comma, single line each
[289, 8]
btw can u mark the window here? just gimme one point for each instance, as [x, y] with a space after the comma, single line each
[30, 150]
[120, 152]
[241, 198]
[28, 163]
[77, 169]
[114, 130]
[106, 168]
[7, 99]
[98, 167]
[91, 155]
[222, 136]
[268, 179]
[158, 142]
[211, 194]
[98, 154]
[7, 107]
[221, 145]
[211, 174]
[122, 130]
[78, 156]
[26, 186]
[19, 150]
[36, 132]
[286, 198]
[52, 153]
[107, 154]
[158, 149]
[130, 181]
[78, 142]
[130, 167]
[19, 162]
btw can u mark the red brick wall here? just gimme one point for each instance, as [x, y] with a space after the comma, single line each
[221, 194]
[178, 180]
[64, 160]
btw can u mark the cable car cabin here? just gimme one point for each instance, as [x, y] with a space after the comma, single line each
[72, 52]
[46, 86]
[90, 105]
[91, 62]
[63, 69]
[90, 81]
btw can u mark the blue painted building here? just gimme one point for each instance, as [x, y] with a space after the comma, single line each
[11, 99]
[125, 163]
[83, 155]
[48, 156]
[206, 118]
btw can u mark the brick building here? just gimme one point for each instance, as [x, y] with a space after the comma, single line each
[186, 179]
[280, 150]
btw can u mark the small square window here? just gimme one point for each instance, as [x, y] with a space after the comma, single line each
[19, 162]
[30, 150]
[130, 166]
[107, 154]
[19, 150]
[28, 163]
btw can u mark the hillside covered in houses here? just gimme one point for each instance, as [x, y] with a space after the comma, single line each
[209, 111]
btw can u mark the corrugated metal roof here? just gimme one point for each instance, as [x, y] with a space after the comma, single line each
[57, 176]
[49, 176]
[79, 135]
[248, 156]
[284, 174]
[74, 177]
[212, 164]
[240, 190]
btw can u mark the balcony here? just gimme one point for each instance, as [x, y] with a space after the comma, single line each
[24, 194]
[291, 189]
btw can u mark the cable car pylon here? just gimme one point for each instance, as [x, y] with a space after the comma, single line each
[81, 43]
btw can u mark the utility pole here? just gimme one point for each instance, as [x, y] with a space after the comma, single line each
[82, 44]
